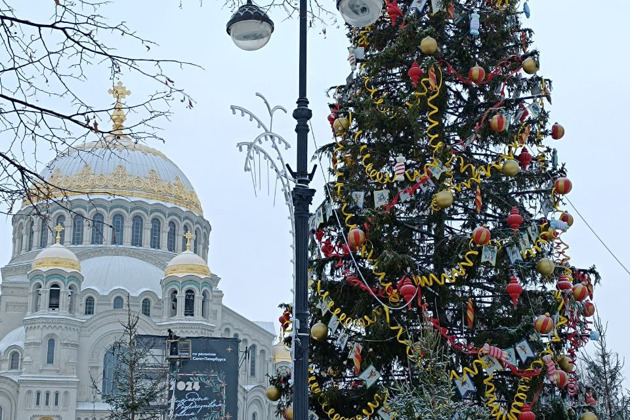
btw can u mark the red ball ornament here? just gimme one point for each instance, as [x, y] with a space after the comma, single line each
[563, 283]
[524, 159]
[562, 185]
[356, 238]
[543, 324]
[526, 413]
[514, 220]
[498, 123]
[562, 379]
[589, 309]
[557, 131]
[514, 290]
[331, 118]
[481, 235]
[477, 74]
[580, 292]
[407, 289]
[567, 218]
[415, 73]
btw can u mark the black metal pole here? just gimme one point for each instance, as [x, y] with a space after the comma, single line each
[302, 197]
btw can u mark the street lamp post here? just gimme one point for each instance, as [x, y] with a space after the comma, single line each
[251, 29]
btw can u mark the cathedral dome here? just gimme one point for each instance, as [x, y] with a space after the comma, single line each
[120, 167]
[187, 263]
[56, 256]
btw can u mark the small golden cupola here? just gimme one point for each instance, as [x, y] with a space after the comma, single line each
[56, 256]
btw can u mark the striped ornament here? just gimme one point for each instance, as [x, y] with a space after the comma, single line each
[498, 123]
[478, 201]
[477, 74]
[557, 131]
[481, 235]
[563, 283]
[589, 309]
[580, 292]
[562, 379]
[470, 313]
[562, 185]
[543, 324]
[356, 238]
[567, 218]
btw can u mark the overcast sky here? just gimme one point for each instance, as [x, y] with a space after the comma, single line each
[581, 51]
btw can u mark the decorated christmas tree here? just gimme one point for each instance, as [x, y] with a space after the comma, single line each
[445, 216]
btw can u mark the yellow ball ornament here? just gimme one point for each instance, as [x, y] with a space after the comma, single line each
[319, 331]
[444, 199]
[341, 126]
[566, 364]
[545, 266]
[588, 415]
[530, 66]
[428, 45]
[273, 393]
[510, 167]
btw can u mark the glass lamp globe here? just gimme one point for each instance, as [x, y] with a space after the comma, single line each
[250, 27]
[360, 13]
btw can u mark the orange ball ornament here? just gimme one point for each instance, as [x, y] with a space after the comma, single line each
[589, 309]
[356, 238]
[481, 235]
[567, 218]
[477, 74]
[562, 185]
[562, 379]
[543, 324]
[498, 123]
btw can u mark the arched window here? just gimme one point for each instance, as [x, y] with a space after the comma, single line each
[118, 224]
[50, 352]
[146, 307]
[196, 249]
[156, 228]
[77, 230]
[111, 364]
[38, 398]
[31, 234]
[189, 303]
[97, 229]
[254, 416]
[20, 240]
[14, 360]
[37, 293]
[118, 302]
[72, 306]
[53, 297]
[136, 231]
[47, 398]
[61, 220]
[170, 238]
[43, 235]
[252, 361]
[56, 399]
[205, 304]
[173, 308]
[89, 306]
[184, 240]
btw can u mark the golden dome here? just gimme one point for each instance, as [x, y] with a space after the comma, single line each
[187, 263]
[56, 256]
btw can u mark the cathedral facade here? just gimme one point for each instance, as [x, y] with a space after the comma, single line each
[124, 231]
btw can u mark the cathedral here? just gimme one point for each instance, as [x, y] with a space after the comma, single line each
[124, 229]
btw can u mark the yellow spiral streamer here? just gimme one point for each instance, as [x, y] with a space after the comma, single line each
[344, 318]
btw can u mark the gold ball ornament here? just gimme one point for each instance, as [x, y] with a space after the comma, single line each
[545, 266]
[273, 393]
[288, 413]
[341, 126]
[566, 364]
[444, 198]
[588, 415]
[319, 331]
[510, 167]
[428, 45]
[530, 66]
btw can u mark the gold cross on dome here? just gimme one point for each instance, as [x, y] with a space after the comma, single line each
[119, 91]
[188, 236]
[58, 229]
